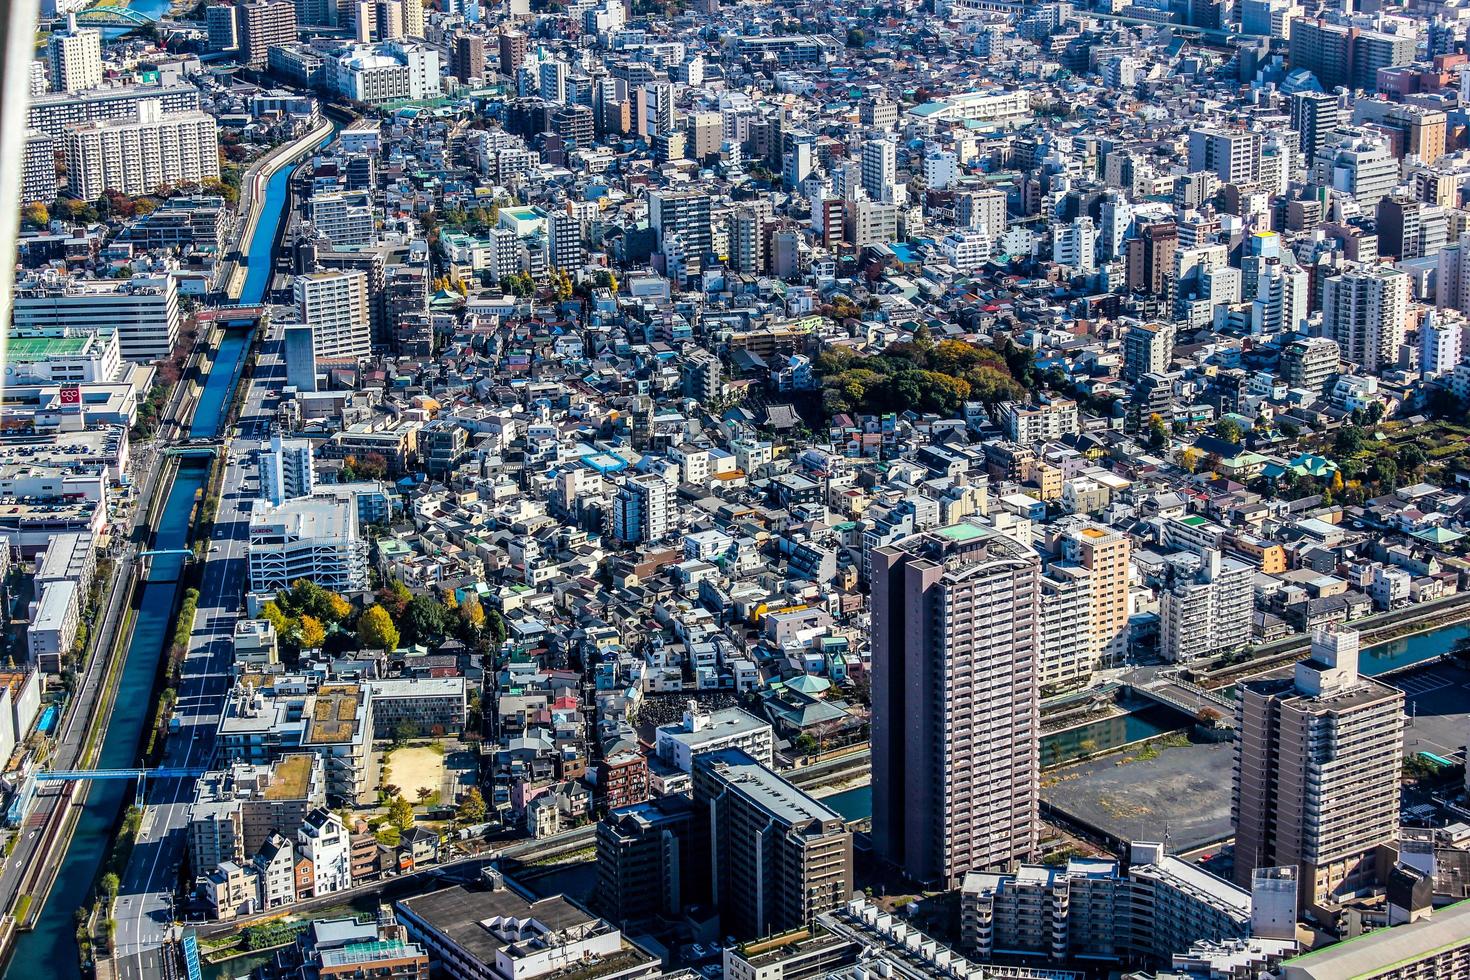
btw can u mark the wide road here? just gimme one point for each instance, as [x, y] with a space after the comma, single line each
[144, 910]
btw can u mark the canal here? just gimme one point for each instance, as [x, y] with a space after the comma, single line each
[53, 941]
[51, 947]
[1062, 747]
[234, 347]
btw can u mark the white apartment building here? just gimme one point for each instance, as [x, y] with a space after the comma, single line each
[680, 743]
[335, 306]
[286, 470]
[1209, 615]
[314, 538]
[139, 156]
[38, 175]
[142, 311]
[1366, 312]
[384, 72]
[966, 250]
[347, 218]
[74, 58]
[1067, 658]
[323, 840]
[644, 509]
[1030, 424]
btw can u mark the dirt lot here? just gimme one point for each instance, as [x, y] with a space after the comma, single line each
[416, 766]
[1182, 791]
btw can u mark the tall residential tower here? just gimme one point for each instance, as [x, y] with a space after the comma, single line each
[955, 702]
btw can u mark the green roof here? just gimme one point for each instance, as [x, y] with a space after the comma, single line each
[39, 348]
[1194, 521]
[963, 532]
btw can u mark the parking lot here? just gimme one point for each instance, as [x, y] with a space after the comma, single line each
[1437, 700]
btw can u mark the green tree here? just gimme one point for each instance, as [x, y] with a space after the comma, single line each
[1411, 459]
[110, 885]
[856, 38]
[400, 814]
[1158, 433]
[425, 619]
[1228, 430]
[495, 627]
[471, 807]
[375, 630]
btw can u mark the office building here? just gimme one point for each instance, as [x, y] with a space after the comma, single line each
[139, 156]
[315, 538]
[1232, 155]
[286, 469]
[1313, 116]
[335, 306]
[1366, 311]
[1317, 766]
[778, 857]
[74, 58]
[262, 25]
[954, 628]
[142, 311]
[1357, 162]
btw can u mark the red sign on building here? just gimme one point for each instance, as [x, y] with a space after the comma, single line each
[71, 395]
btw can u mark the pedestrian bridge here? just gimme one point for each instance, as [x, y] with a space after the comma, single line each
[25, 795]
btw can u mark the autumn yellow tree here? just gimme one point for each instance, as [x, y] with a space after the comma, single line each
[375, 630]
[472, 613]
[313, 634]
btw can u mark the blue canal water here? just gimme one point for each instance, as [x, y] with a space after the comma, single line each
[50, 949]
[1061, 747]
[229, 359]
[219, 384]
